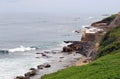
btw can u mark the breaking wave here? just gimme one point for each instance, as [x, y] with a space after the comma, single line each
[21, 49]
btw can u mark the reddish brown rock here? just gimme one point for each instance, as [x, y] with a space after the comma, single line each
[72, 47]
[67, 49]
[89, 37]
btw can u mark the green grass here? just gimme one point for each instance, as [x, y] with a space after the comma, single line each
[106, 65]
[110, 42]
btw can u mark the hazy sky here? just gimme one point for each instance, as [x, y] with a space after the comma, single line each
[60, 6]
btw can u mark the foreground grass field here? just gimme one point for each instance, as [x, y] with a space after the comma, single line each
[106, 65]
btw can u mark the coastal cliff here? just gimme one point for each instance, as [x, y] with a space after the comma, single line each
[107, 53]
[91, 36]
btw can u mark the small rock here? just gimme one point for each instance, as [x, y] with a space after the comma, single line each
[46, 52]
[32, 69]
[37, 57]
[61, 57]
[22, 77]
[40, 66]
[47, 65]
[30, 74]
[43, 54]
[38, 53]
[54, 52]
[60, 61]
[85, 61]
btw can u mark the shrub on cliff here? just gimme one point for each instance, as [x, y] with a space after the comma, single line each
[107, 20]
[110, 42]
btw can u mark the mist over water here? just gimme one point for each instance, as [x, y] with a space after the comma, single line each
[19, 32]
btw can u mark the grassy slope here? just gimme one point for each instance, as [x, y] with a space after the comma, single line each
[105, 67]
[110, 42]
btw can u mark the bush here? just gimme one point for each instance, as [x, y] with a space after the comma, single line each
[110, 42]
[108, 20]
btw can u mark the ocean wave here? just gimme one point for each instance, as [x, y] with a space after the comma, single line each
[89, 18]
[83, 26]
[21, 49]
[64, 44]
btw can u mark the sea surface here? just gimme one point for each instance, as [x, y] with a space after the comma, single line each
[25, 34]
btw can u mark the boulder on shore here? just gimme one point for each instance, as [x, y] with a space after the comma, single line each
[30, 74]
[80, 47]
[22, 77]
[75, 46]
[43, 66]
[47, 65]
[40, 66]
[32, 69]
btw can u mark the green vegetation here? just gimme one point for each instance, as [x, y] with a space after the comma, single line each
[110, 42]
[108, 20]
[105, 67]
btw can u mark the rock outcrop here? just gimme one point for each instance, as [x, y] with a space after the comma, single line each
[89, 37]
[30, 74]
[43, 66]
[99, 24]
[78, 47]
[116, 21]
[75, 46]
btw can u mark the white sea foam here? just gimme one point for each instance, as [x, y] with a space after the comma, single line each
[21, 49]
[73, 31]
[83, 26]
[58, 47]
[64, 44]
[89, 18]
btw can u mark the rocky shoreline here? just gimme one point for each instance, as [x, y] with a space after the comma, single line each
[77, 53]
[91, 37]
[58, 60]
[81, 52]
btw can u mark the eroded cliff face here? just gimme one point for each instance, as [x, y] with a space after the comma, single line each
[89, 37]
[87, 45]
[109, 22]
[116, 21]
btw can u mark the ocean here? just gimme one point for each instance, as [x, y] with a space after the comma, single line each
[24, 34]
